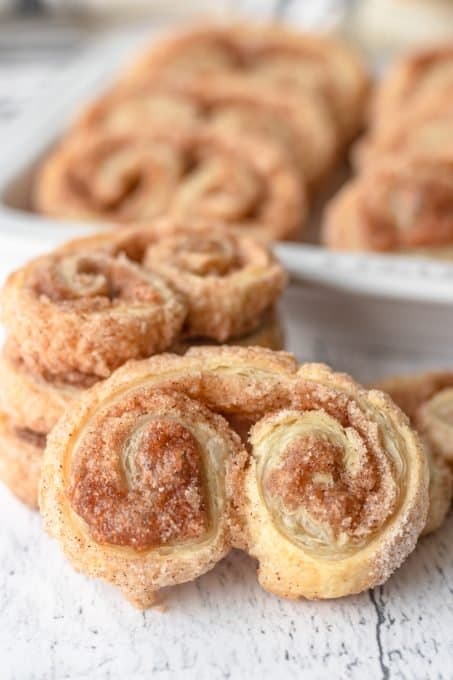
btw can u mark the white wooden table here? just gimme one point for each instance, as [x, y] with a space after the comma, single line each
[57, 624]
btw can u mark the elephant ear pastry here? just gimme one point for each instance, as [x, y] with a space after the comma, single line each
[336, 495]
[138, 481]
[85, 314]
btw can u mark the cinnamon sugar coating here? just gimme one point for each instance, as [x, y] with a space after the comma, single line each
[335, 489]
[352, 466]
[21, 453]
[88, 314]
[227, 280]
[134, 177]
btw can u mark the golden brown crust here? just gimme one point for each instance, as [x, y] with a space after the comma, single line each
[228, 281]
[201, 174]
[21, 453]
[88, 314]
[244, 384]
[336, 494]
[275, 56]
[397, 203]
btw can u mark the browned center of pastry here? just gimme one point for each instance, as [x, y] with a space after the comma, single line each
[207, 256]
[154, 497]
[313, 475]
[92, 282]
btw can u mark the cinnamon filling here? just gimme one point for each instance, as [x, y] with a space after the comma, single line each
[313, 474]
[155, 498]
[207, 257]
[92, 283]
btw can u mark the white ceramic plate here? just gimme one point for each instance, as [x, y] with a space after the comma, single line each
[32, 134]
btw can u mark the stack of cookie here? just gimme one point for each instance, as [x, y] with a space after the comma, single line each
[402, 198]
[77, 314]
[239, 124]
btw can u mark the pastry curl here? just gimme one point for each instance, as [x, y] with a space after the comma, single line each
[336, 494]
[131, 178]
[275, 56]
[141, 476]
[83, 315]
[228, 281]
[21, 452]
[299, 124]
[397, 203]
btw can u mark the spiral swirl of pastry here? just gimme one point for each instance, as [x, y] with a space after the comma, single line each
[234, 105]
[227, 280]
[131, 178]
[276, 57]
[143, 480]
[336, 495]
[83, 315]
[141, 476]
[397, 203]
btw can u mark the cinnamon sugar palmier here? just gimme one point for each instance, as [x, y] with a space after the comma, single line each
[131, 178]
[104, 464]
[298, 124]
[21, 452]
[427, 399]
[397, 203]
[336, 494]
[140, 479]
[275, 56]
[83, 315]
[227, 280]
